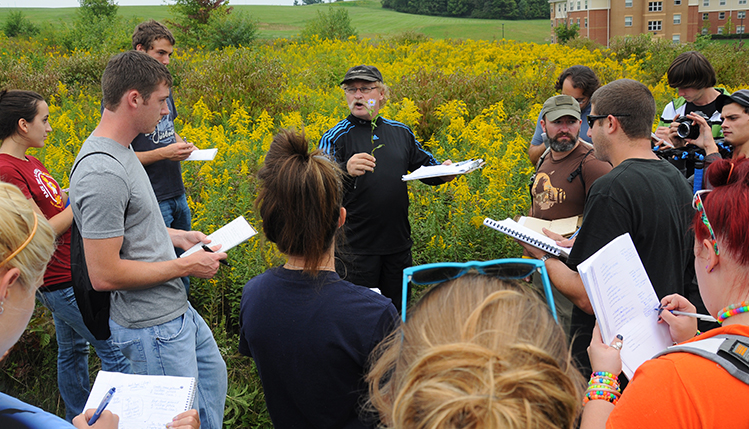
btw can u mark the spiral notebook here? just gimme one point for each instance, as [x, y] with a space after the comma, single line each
[527, 235]
[143, 401]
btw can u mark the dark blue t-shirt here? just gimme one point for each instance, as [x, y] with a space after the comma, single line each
[165, 175]
[311, 339]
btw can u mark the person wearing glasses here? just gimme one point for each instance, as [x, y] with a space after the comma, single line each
[694, 78]
[565, 173]
[579, 82]
[309, 332]
[378, 234]
[701, 388]
[24, 125]
[642, 195]
[477, 351]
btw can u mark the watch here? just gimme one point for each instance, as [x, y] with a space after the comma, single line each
[547, 256]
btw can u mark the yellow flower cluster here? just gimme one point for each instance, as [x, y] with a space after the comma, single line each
[224, 102]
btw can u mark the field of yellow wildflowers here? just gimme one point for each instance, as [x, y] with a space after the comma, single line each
[463, 99]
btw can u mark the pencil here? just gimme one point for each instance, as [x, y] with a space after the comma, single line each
[704, 317]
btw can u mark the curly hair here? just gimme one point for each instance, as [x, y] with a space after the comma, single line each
[506, 365]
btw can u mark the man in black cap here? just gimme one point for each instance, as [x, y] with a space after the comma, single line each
[378, 234]
[734, 110]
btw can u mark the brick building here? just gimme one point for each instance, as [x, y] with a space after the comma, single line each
[677, 20]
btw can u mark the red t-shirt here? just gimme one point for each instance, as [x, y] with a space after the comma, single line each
[683, 391]
[36, 183]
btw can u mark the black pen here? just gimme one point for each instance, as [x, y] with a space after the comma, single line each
[222, 261]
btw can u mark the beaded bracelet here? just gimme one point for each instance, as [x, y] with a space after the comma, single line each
[603, 380]
[604, 374]
[600, 394]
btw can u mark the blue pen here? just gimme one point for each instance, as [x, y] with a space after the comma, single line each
[575, 234]
[102, 405]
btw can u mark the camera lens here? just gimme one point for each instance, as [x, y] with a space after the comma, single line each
[688, 130]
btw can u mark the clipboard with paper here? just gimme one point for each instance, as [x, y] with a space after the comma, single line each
[429, 171]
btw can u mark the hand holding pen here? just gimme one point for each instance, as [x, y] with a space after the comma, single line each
[681, 327]
[100, 417]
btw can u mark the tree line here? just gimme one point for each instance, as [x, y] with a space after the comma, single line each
[487, 9]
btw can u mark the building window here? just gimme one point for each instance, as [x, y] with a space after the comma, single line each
[676, 38]
[705, 16]
[677, 18]
[586, 22]
[706, 3]
[704, 31]
[739, 29]
[627, 21]
[742, 1]
[578, 22]
[741, 15]
[677, 2]
[722, 2]
[721, 15]
[565, 7]
[578, 4]
[654, 26]
[627, 3]
[720, 30]
[586, 4]
[655, 6]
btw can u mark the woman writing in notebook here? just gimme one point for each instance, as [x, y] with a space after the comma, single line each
[309, 332]
[24, 125]
[681, 389]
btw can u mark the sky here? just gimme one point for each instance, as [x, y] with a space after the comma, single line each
[74, 3]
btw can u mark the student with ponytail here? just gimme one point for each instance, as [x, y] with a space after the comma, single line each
[309, 332]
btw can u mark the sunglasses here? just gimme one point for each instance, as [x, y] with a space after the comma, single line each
[593, 118]
[700, 207]
[506, 269]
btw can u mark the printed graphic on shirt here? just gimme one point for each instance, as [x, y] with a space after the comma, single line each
[546, 195]
[49, 187]
[164, 132]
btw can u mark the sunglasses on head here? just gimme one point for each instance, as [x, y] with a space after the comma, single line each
[506, 269]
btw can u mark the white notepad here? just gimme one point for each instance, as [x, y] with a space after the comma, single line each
[202, 155]
[143, 401]
[228, 236]
[624, 302]
[428, 171]
[527, 235]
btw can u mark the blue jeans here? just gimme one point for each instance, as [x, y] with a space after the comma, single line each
[184, 347]
[73, 339]
[176, 214]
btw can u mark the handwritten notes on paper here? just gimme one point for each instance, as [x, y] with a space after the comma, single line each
[143, 401]
[624, 302]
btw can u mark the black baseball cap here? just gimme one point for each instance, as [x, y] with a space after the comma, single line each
[362, 72]
[740, 97]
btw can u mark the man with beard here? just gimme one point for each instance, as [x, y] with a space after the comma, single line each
[567, 170]
[564, 174]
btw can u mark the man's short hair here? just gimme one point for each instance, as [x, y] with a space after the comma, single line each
[148, 32]
[132, 70]
[691, 70]
[627, 97]
[583, 77]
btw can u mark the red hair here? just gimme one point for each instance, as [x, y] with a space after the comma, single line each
[727, 208]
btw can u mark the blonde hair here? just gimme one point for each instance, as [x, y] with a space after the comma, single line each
[17, 219]
[476, 352]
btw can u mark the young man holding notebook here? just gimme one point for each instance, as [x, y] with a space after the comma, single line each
[130, 252]
[642, 195]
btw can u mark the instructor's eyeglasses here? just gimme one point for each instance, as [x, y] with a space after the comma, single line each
[506, 269]
[697, 205]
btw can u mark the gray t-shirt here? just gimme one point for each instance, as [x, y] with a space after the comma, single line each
[102, 189]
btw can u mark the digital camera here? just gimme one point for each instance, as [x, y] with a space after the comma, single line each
[687, 128]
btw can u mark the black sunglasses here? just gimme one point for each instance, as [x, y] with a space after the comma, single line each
[593, 118]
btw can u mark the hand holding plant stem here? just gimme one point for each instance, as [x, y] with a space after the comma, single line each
[370, 107]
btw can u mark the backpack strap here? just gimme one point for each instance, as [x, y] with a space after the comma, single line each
[729, 351]
[579, 170]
